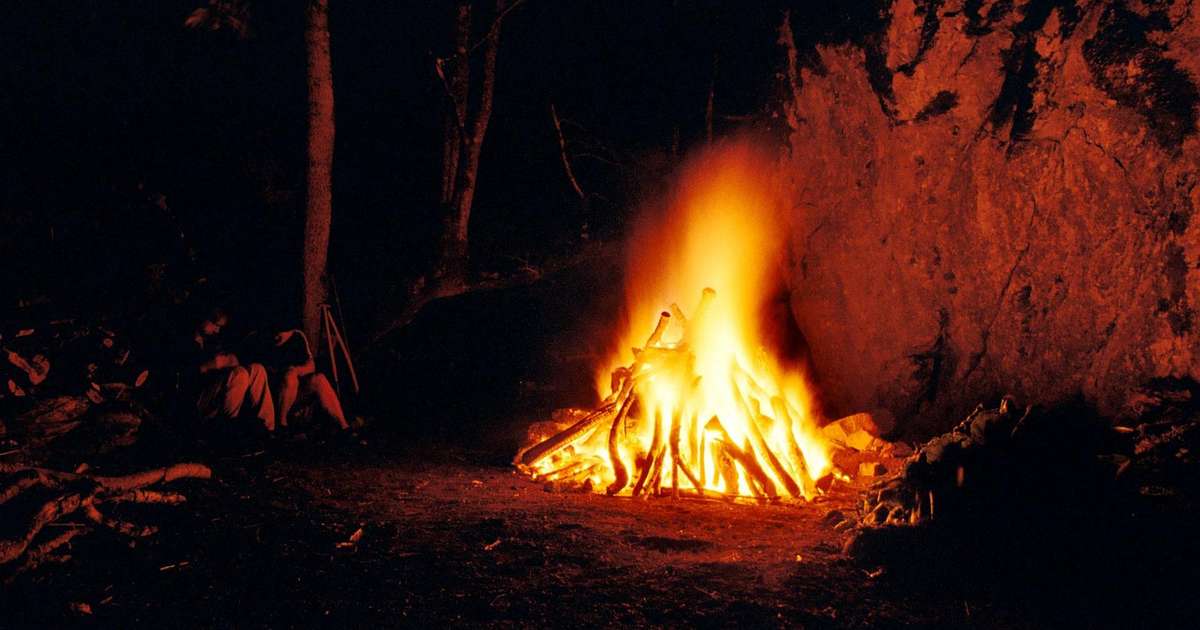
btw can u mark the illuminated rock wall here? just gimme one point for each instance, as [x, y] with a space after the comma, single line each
[998, 197]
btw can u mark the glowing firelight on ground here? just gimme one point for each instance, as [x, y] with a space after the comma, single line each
[693, 402]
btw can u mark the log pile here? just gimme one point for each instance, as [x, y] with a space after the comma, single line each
[62, 376]
[937, 473]
[1021, 458]
[68, 505]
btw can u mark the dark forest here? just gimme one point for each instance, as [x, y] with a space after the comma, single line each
[533, 313]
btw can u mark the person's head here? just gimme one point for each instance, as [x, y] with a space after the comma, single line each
[212, 323]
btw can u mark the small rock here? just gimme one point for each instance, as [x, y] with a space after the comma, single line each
[833, 518]
[841, 428]
[860, 440]
[884, 422]
[834, 433]
[871, 469]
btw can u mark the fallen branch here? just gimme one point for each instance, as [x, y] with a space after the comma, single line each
[27, 478]
[42, 553]
[85, 493]
[146, 496]
[124, 527]
[51, 511]
[151, 477]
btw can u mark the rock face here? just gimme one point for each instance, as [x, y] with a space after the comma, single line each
[997, 197]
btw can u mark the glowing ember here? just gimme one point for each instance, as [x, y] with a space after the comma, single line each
[698, 406]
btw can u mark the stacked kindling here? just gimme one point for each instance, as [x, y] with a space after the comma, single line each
[688, 455]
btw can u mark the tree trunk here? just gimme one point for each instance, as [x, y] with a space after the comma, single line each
[453, 258]
[318, 211]
[457, 81]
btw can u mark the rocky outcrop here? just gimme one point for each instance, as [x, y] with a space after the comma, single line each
[997, 197]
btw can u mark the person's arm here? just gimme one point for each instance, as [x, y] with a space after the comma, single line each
[306, 368]
[220, 361]
[297, 342]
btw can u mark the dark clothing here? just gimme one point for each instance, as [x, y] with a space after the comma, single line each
[221, 392]
[187, 355]
[293, 353]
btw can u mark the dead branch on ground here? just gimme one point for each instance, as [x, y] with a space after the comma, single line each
[79, 495]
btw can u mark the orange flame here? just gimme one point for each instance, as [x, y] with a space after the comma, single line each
[707, 377]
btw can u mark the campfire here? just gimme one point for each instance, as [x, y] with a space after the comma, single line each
[700, 406]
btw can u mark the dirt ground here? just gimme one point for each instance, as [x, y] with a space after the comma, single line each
[461, 539]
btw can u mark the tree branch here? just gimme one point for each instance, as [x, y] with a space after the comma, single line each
[562, 147]
[423, 294]
[496, 23]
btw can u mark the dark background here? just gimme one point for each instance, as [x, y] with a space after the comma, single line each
[144, 156]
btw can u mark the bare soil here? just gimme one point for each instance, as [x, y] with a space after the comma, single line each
[454, 539]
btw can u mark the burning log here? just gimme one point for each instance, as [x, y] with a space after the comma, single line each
[677, 313]
[614, 452]
[572, 435]
[706, 298]
[760, 443]
[651, 389]
[726, 468]
[655, 459]
[663, 319]
[790, 417]
[745, 458]
[627, 397]
[798, 459]
[570, 471]
[680, 464]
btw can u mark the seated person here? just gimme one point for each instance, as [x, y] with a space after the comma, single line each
[292, 360]
[216, 380]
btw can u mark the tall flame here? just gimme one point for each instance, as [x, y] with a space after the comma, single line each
[711, 252]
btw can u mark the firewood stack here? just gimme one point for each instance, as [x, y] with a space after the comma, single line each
[709, 463]
[63, 376]
[994, 452]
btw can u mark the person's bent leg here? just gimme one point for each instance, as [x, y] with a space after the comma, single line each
[210, 402]
[258, 395]
[327, 398]
[237, 381]
[289, 388]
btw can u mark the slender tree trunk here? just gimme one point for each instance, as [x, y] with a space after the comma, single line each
[457, 81]
[453, 263]
[318, 211]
